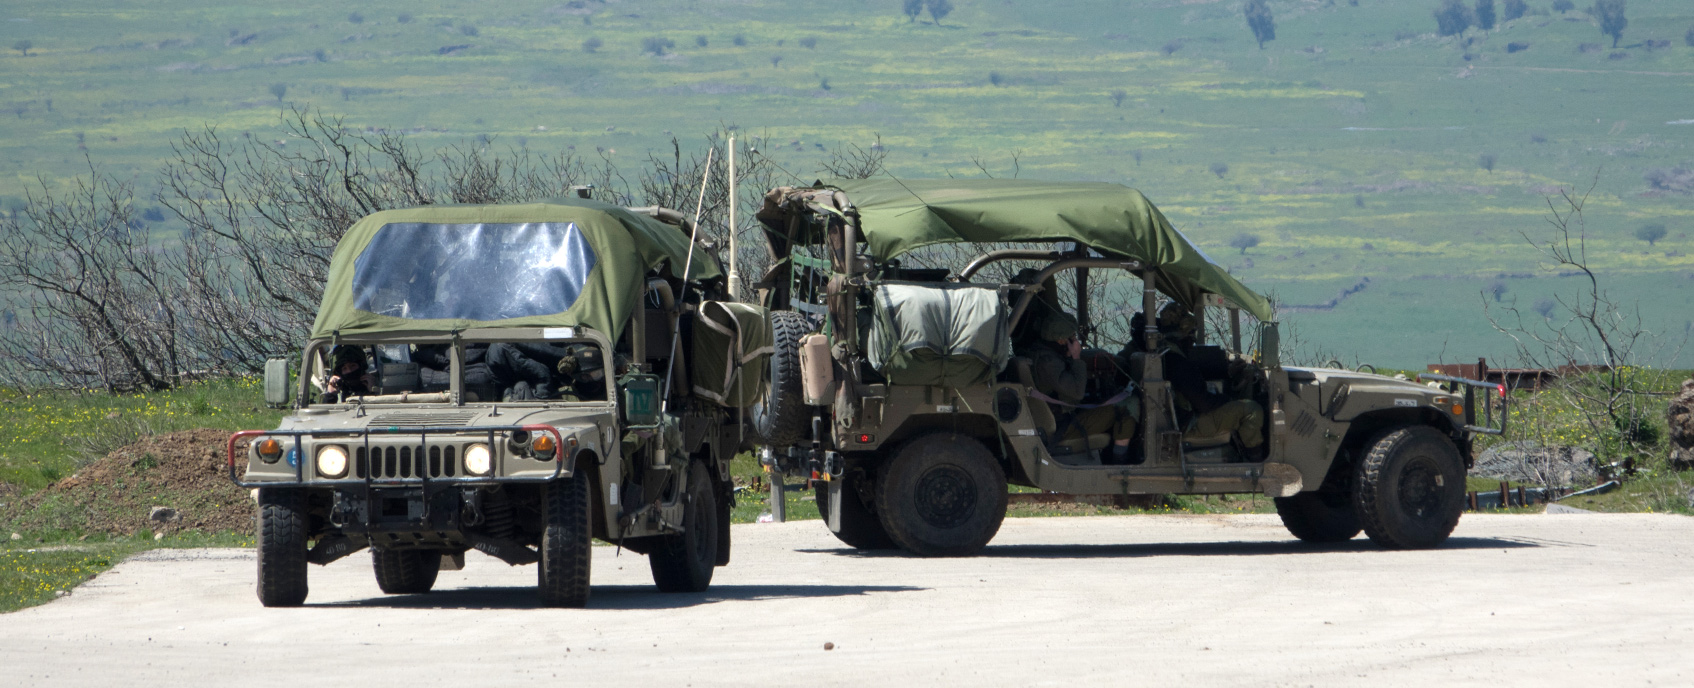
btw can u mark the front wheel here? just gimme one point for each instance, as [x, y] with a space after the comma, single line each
[1410, 488]
[683, 562]
[1319, 516]
[566, 544]
[942, 495]
[282, 547]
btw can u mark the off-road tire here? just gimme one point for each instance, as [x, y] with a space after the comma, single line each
[282, 547]
[942, 495]
[405, 571]
[683, 562]
[860, 529]
[780, 418]
[1319, 516]
[1410, 488]
[566, 543]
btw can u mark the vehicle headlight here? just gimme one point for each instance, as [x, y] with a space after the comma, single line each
[332, 462]
[269, 450]
[478, 460]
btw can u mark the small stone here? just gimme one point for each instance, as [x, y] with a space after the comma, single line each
[16, 536]
[158, 536]
[163, 514]
[114, 415]
[61, 593]
[828, 646]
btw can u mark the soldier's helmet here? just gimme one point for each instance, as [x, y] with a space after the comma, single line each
[1058, 327]
[1176, 321]
[347, 354]
[584, 364]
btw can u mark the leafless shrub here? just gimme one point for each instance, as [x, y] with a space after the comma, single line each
[96, 305]
[1603, 345]
[852, 162]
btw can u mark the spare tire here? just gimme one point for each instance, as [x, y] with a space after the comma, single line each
[780, 415]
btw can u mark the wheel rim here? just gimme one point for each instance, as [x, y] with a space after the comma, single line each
[946, 496]
[1420, 487]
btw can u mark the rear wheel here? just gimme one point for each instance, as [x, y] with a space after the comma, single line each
[1319, 516]
[859, 528]
[405, 571]
[282, 547]
[566, 545]
[683, 562]
[942, 495]
[780, 417]
[1410, 488]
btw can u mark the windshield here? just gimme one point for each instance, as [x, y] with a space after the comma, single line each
[425, 271]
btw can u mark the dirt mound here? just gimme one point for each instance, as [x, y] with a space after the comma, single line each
[184, 471]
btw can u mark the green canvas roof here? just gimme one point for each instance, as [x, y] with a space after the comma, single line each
[898, 216]
[442, 268]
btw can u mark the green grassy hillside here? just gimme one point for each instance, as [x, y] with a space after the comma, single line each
[1352, 145]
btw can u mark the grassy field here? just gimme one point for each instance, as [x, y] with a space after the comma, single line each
[1351, 146]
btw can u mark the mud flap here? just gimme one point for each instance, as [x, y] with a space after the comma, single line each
[833, 518]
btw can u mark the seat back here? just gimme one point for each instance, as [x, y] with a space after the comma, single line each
[1039, 411]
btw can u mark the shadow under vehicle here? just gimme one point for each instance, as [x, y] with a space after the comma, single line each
[895, 390]
[515, 379]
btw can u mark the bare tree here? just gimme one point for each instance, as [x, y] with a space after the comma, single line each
[853, 162]
[98, 309]
[1602, 347]
[1117, 97]
[1486, 161]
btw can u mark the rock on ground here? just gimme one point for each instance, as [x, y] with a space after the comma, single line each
[1532, 463]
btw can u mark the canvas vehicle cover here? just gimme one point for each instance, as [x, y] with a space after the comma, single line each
[556, 263]
[731, 344]
[951, 336]
[898, 216]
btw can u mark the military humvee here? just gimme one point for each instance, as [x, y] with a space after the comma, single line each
[894, 388]
[538, 375]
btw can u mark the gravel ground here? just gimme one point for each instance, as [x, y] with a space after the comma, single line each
[1546, 600]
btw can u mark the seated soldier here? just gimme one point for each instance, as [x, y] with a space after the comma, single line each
[347, 378]
[1062, 377]
[585, 369]
[1208, 414]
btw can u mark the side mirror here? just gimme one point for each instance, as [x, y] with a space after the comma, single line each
[1270, 343]
[640, 399]
[276, 382]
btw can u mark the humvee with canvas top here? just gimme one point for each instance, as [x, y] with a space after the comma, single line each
[515, 379]
[900, 393]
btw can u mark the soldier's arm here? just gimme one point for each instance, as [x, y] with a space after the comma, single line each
[1065, 379]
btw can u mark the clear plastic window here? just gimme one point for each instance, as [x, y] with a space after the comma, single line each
[472, 271]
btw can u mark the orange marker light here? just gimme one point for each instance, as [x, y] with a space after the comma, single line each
[270, 449]
[544, 443]
[1458, 409]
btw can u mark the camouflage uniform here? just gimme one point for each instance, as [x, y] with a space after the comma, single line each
[1064, 378]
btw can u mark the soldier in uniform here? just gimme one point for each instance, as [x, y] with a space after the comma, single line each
[1209, 414]
[1061, 376]
[348, 378]
[585, 369]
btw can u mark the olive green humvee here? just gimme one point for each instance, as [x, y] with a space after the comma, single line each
[894, 390]
[514, 379]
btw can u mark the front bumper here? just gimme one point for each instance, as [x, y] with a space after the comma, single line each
[419, 465]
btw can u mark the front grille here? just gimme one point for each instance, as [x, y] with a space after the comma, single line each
[433, 461]
[423, 419]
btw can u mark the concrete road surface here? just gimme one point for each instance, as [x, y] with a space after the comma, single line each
[1544, 600]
